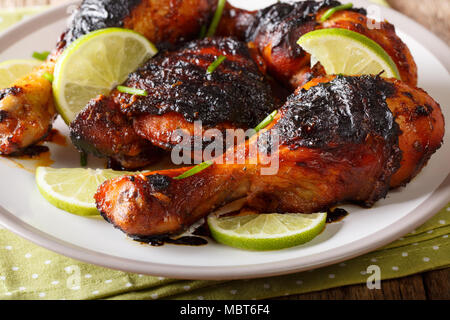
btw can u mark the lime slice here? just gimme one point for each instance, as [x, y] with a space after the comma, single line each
[12, 70]
[95, 64]
[341, 51]
[266, 231]
[73, 190]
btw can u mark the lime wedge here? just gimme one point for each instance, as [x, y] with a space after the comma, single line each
[11, 70]
[266, 231]
[73, 190]
[341, 51]
[95, 64]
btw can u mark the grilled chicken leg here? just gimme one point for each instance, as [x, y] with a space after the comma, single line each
[27, 108]
[340, 139]
[275, 30]
[180, 92]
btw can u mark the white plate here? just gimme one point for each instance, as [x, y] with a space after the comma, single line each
[26, 213]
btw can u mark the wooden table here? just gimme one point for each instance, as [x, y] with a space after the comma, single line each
[434, 15]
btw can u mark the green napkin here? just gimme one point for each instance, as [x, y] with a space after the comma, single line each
[31, 272]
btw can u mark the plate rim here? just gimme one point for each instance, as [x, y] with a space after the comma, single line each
[428, 208]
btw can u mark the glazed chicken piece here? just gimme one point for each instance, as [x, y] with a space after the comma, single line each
[27, 109]
[275, 30]
[343, 139]
[180, 92]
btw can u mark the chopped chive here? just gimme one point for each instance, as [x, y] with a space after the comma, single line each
[41, 55]
[266, 121]
[83, 159]
[332, 11]
[198, 168]
[134, 91]
[216, 19]
[48, 76]
[213, 66]
[202, 33]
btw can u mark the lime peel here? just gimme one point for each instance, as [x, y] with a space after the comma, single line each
[264, 232]
[342, 51]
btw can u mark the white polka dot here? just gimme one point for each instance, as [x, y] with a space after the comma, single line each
[108, 281]
[363, 273]
[187, 288]
[401, 239]
[15, 268]
[426, 259]
[448, 209]
[233, 291]
[331, 276]
[2, 278]
[435, 247]
[28, 255]
[8, 293]
[35, 276]
[200, 298]
[22, 288]
[42, 294]
[299, 282]
[442, 221]
[266, 286]
[415, 244]
[68, 269]
[154, 296]
[75, 288]
[8, 248]
[128, 285]
[48, 261]
[55, 282]
[140, 275]
[87, 276]
[445, 236]
[430, 232]
[404, 254]
[342, 264]
[395, 268]
[95, 292]
[161, 278]
[373, 260]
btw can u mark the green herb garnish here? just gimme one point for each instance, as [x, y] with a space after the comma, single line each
[332, 11]
[213, 66]
[83, 159]
[202, 33]
[134, 91]
[216, 19]
[266, 121]
[48, 76]
[41, 55]
[198, 168]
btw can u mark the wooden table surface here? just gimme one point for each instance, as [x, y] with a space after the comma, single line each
[434, 15]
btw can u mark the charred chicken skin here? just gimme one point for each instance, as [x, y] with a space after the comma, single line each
[341, 139]
[275, 30]
[180, 92]
[27, 109]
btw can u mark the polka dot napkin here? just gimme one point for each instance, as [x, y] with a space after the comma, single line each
[30, 272]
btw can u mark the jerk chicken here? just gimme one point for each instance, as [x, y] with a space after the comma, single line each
[275, 30]
[340, 139]
[27, 109]
[180, 91]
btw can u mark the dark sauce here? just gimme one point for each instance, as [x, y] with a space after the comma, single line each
[31, 152]
[336, 215]
[160, 241]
